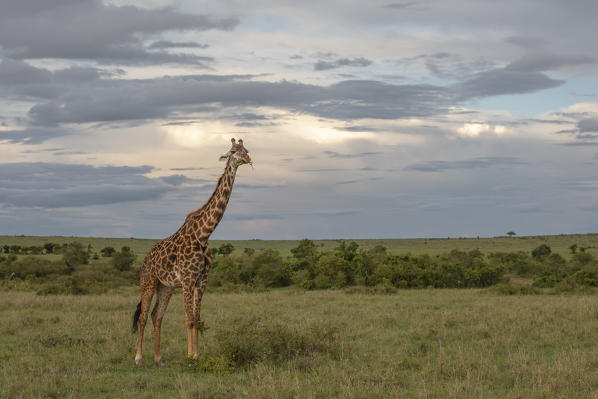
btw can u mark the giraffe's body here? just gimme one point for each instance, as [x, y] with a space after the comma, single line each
[184, 260]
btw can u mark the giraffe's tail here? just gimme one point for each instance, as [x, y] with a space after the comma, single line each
[136, 317]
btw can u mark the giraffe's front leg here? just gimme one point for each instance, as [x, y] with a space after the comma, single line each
[199, 289]
[188, 293]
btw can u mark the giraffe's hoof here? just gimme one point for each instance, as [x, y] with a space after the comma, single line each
[139, 362]
[160, 364]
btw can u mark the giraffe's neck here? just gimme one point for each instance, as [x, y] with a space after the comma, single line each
[202, 222]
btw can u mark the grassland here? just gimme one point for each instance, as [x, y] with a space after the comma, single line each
[413, 344]
[432, 246]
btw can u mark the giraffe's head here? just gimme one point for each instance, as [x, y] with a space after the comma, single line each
[238, 153]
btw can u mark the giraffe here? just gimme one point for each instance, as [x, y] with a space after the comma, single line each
[184, 260]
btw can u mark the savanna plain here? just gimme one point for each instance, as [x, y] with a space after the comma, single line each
[527, 336]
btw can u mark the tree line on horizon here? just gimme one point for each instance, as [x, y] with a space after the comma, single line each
[308, 267]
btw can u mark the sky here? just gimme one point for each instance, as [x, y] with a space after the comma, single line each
[364, 119]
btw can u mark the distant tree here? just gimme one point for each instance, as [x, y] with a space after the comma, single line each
[124, 259]
[347, 251]
[249, 251]
[226, 249]
[75, 255]
[107, 251]
[305, 249]
[15, 249]
[541, 252]
[35, 250]
[49, 247]
[573, 248]
[511, 233]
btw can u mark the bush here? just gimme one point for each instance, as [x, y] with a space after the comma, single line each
[74, 255]
[225, 249]
[541, 252]
[107, 252]
[255, 340]
[511, 289]
[124, 259]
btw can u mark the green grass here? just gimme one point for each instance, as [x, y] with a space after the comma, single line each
[412, 344]
[432, 246]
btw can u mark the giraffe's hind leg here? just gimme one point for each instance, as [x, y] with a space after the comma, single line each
[163, 294]
[148, 286]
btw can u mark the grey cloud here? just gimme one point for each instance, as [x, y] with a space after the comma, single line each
[550, 121]
[59, 153]
[165, 44]
[504, 81]
[185, 169]
[398, 6]
[336, 170]
[90, 29]
[581, 144]
[177, 180]
[258, 186]
[252, 216]
[108, 100]
[483, 162]
[585, 131]
[86, 95]
[539, 61]
[588, 125]
[33, 135]
[359, 128]
[333, 154]
[55, 185]
[341, 62]
[586, 136]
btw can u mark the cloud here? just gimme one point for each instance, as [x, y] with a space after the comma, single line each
[398, 6]
[109, 100]
[87, 95]
[162, 44]
[588, 125]
[333, 154]
[541, 61]
[56, 185]
[92, 30]
[178, 179]
[33, 135]
[483, 162]
[341, 62]
[504, 81]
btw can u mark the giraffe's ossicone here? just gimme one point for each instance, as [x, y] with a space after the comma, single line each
[184, 260]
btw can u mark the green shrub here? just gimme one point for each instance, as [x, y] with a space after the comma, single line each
[512, 289]
[74, 255]
[541, 252]
[255, 340]
[124, 259]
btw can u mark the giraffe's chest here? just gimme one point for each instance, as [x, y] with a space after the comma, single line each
[181, 267]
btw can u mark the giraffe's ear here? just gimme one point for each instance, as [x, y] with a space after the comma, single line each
[224, 157]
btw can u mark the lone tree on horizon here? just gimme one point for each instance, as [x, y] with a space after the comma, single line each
[511, 233]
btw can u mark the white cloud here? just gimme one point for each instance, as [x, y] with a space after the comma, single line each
[473, 129]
